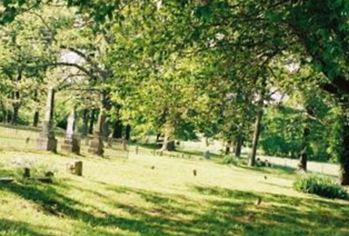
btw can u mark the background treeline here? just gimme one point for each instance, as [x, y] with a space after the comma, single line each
[271, 74]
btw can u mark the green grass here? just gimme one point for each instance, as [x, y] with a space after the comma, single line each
[148, 195]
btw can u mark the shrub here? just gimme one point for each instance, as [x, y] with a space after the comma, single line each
[319, 185]
[230, 160]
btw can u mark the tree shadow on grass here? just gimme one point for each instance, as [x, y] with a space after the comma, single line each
[9, 227]
[214, 211]
[275, 169]
[277, 214]
[53, 203]
[232, 212]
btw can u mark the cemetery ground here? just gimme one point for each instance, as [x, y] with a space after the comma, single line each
[142, 194]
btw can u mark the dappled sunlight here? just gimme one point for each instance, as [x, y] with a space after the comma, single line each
[110, 203]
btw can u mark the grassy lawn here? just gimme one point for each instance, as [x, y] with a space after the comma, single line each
[147, 195]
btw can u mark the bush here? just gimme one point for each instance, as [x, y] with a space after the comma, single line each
[230, 160]
[319, 185]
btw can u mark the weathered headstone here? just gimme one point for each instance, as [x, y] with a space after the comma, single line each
[171, 145]
[75, 168]
[96, 144]
[207, 154]
[71, 142]
[124, 144]
[47, 140]
[26, 172]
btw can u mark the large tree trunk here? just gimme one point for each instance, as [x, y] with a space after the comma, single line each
[257, 130]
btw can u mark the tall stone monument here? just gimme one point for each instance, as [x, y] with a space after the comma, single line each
[47, 140]
[71, 141]
[96, 144]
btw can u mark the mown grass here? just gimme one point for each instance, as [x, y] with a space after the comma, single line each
[147, 195]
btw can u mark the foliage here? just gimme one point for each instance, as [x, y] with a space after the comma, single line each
[320, 185]
[230, 160]
[182, 68]
[282, 135]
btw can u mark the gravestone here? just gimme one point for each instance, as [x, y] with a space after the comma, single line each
[26, 172]
[207, 154]
[96, 144]
[47, 140]
[75, 168]
[71, 142]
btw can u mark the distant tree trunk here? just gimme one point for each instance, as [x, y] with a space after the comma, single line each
[118, 127]
[303, 157]
[238, 145]
[16, 105]
[36, 118]
[36, 113]
[2, 115]
[14, 120]
[165, 143]
[128, 132]
[228, 147]
[4, 118]
[9, 116]
[257, 130]
[16, 96]
[105, 129]
[96, 144]
[157, 140]
[84, 122]
[92, 120]
[3, 111]
[344, 155]
[207, 142]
